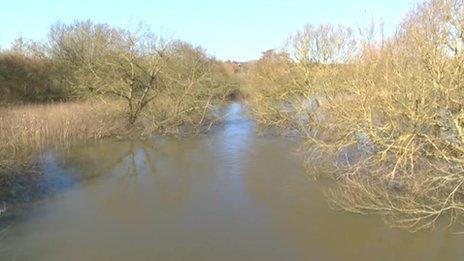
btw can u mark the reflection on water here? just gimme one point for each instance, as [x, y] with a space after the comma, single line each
[228, 196]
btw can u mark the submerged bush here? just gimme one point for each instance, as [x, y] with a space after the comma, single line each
[387, 115]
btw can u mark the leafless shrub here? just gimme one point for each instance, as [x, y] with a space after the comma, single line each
[194, 84]
[393, 109]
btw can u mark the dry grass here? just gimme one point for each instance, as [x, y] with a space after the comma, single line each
[29, 129]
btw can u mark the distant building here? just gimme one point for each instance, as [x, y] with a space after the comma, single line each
[234, 66]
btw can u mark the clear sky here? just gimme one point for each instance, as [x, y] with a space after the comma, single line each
[235, 29]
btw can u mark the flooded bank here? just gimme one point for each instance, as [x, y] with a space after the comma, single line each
[231, 195]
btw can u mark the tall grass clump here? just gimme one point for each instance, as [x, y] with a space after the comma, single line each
[384, 115]
[31, 129]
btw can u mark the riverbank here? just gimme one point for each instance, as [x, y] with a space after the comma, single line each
[29, 132]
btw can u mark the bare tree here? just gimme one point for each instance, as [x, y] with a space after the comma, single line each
[112, 61]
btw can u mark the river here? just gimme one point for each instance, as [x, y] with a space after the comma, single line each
[229, 195]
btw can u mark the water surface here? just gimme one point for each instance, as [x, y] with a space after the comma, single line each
[230, 195]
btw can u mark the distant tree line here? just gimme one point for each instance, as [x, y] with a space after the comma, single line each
[85, 59]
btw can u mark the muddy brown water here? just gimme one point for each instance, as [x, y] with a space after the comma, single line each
[230, 195]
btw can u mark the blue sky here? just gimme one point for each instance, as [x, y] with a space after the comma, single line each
[236, 29]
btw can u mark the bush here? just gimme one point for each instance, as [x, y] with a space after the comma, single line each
[26, 79]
